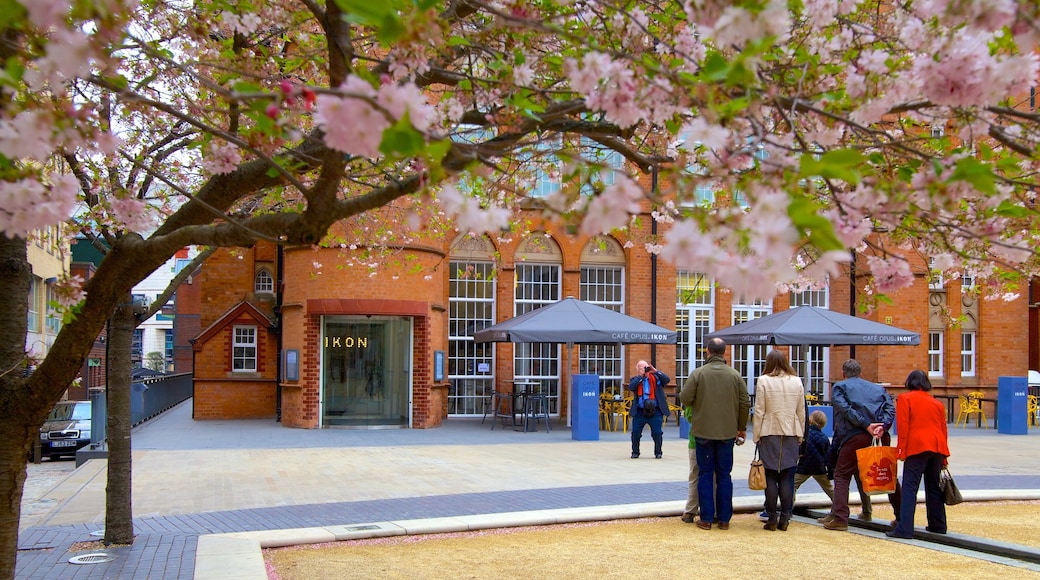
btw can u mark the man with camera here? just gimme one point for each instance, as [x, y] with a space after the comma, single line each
[649, 405]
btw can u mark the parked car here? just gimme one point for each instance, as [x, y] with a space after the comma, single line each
[67, 429]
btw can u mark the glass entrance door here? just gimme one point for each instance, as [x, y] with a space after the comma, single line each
[366, 371]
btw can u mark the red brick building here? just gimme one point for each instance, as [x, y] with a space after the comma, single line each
[304, 335]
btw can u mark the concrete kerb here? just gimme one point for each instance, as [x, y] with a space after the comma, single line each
[240, 555]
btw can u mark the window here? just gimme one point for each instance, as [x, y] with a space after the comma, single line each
[694, 317]
[812, 362]
[604, 162]
[749, 359]
[53, 322]
[34, 305]
[137, 349]
[243, 349]
[938, 131]
[471, 307]
[168, 348]
[967, 354]
[538, 285]
[967, 281]
[547, 169]
[263, 283]
[935, 277]
[935, 354]
[602, 286]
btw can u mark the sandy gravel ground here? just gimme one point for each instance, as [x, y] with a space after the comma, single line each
[40, 479]
[617, 549]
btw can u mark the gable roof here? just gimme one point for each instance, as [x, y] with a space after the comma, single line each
[244, 308]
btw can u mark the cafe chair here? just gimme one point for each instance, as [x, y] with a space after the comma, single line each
[970, 406]
[499, 402]
[606, 414]
[1033, 407]
[536, 406]
[676, 410]
[621, 410]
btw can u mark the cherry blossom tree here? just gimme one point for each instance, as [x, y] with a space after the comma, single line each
[883, 127]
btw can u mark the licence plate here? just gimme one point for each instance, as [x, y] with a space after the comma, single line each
[63, 443]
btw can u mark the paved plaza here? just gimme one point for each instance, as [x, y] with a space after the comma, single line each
[209, 479]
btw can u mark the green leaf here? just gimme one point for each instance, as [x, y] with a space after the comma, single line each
[978, 174]
[715, 68]
[805, 215]
[1012, 210]
[402, 139]
[382, 16]
[844, 164]
[11, 12]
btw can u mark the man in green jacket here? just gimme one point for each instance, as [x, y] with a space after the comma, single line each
[719, 409]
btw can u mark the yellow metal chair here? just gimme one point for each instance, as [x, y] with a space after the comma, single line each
[675, 409]
[1033, 407]
[976, 395]
[606, 414]
[812, 398]
[970, 406]
[621, 410]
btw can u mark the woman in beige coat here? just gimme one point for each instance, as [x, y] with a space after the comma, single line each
[779, 426]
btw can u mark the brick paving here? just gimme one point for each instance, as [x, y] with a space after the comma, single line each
[165, 544]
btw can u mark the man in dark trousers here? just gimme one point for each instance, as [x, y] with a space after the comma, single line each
[649, 406]
[719, 409]
[862, 410]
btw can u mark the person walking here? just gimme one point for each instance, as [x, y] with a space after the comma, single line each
[649, 406]
[923, 447]
[813, 462]
[720, 406]
[779, 429]
[862, 410]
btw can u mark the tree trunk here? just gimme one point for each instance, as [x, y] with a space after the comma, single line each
[22, 412]
[119, 516]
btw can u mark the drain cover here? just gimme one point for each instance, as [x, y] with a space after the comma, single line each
[96, 558]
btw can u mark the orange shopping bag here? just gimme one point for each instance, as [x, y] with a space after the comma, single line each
[877, 468]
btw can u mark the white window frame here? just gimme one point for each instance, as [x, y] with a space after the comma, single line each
[935, 353]
[34, 305]
[603, 285]
[52, 323]
[968, 345]
[750, 359]
[538, 285]
[263, 282]
[812, 362]
[471, 307]
[244, 344]
[694, 317]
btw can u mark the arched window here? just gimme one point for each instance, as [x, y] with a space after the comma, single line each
[263, 283]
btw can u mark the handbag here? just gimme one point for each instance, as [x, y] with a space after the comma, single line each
[756, 479]
[878, 466]
[951, 494]
[648, 408]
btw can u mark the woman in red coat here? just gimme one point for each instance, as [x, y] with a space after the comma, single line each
[921, 425]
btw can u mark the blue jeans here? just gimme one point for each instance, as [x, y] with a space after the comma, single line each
[715, 461]
[656, 430]
[926, 466]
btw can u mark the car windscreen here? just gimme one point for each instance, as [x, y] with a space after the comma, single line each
[70, 412]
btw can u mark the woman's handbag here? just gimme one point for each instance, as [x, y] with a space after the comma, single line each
[877, 467]
[951, 495]
[756, 479]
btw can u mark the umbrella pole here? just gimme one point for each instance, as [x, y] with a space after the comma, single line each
[567, 381]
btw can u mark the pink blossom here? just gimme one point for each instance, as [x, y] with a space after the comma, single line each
[28, 204]
[397, 99]
[890, 274]
[351, 124]
[132, 213]
[28, 135]
[701, 132]
[612, 208]
[468, 213]
[46, 13]
[222, 159]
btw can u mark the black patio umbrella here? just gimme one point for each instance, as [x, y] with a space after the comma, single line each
[813, 326]
[571, 321]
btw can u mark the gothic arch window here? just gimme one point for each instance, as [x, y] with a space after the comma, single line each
[263, 283]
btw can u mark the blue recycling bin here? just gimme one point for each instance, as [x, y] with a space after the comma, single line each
[585, 407]
[828, 410]
[1012, 405]
[684, 427]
